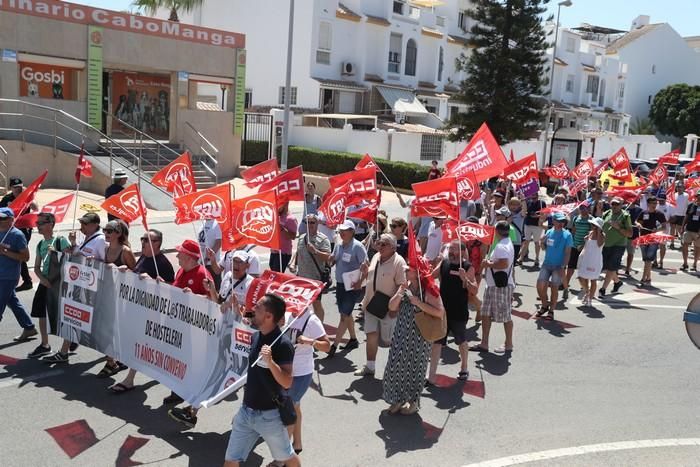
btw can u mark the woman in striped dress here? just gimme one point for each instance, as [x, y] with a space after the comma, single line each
[404, 376]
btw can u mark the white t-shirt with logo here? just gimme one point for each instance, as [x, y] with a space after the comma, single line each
[304, 354]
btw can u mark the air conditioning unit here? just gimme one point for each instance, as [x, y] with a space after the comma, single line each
[348, 68]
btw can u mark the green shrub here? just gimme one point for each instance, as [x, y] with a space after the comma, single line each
[401, 174]
[255, 151]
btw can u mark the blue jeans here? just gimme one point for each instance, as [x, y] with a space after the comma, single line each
[8, 297]
[249, 425]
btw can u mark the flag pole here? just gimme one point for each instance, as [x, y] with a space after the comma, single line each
[150, 242]
[398, 195]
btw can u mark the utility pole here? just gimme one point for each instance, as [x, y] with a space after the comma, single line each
[288, 89]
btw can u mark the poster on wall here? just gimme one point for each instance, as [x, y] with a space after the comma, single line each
[143, 101]
[47, 81]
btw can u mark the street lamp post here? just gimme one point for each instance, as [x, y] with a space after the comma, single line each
[551, 82]
[287, 89]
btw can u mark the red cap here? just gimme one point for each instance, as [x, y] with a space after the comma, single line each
[189, 247]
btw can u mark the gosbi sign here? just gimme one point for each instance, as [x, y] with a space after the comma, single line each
[81, 14]
[46, 81]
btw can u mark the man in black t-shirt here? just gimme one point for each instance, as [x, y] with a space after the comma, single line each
[533, 228]
[691, 232]
[146, 265]
[270, 377]
[119, 179]
[456, 282]
[650, 221]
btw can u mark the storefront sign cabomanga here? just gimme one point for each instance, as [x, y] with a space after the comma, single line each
[71, 12]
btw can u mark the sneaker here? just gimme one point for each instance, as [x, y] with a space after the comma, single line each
[172, 399]
[58, 357]
[601, 293]
[26, 334]
[40, 351]
[73, 347]
[616, 286]
[364, 371]
[331, 352]
[24, 286]
[184, 416]
[351, 344]
[537, 263]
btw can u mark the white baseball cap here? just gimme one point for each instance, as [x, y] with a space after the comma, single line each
[241, 255]
[347, 225]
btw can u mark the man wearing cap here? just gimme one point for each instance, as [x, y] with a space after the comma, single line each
[691, 232]
[348, 256]
[650, 221]
[497, 202]
[533, 227]
[557, 243]
[16, 188]
[118, 181]
[13, 250]
[617, 227]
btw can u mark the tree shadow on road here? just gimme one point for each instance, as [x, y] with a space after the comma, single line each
[406, 433]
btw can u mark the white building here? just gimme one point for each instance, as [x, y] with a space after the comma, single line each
[356, 56]
[589, 87]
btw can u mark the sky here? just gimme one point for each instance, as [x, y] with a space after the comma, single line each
[616, 14]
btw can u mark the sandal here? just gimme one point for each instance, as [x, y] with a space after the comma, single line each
[542, 311]
[477, 348]
[109, 370]
[120, 388]
[550, 315]
[463, 375]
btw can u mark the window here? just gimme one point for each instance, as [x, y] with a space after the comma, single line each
[572, 124]
[248, 98]
[601, 97]
[399, 5]
[653, 69]
[395, 53]
[431, 147]
[615, 125]
[621, 90]
[560, 122]
[323, 53]
[441, 64]
[649, 99]
[592, 85]
[292, 97]
[463, 20]
[570, 83]
[411, 54]
[454, 110]
[571, 44]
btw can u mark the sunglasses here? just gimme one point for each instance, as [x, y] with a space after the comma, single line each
[311, 222]
[145, 240]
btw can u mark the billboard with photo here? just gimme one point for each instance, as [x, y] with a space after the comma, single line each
[47, 81]
[143, 101]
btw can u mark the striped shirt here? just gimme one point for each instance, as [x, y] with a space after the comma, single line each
[582, 227]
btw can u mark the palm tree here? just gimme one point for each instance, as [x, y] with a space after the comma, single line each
[150, 6]
[642, 126]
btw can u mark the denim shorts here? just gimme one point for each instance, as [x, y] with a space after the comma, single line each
[300, 385]
[649, 252]
[551, 274]
[347, 299]
[249, 425]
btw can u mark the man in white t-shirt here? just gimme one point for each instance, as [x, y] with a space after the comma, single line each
[225, 265]
[209, 238]
[498, 301]
[93, 244]
[434, 244]
[677, 213]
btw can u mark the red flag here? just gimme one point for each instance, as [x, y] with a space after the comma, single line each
[577, 185]
[692, 167]
[671, 197]
[127, 205]
[334, 205]
[368, 212]
[362, 184]
[419, 263]
[366, 162]
[620, 164]
[600, 168]
[692, 183]
[522, 171]
[629, 194]
[58, 208]
[261, 173]
[297, 292]
[659, 174]
[254, 220]
[656, 237]
[562, 208]
[482, 155]
[560, 170]
[289, 185]
[467, 232]
[212, 203]
[22, 202]
[670, 158]
[468, 187]
[512, 156]
[436, 198]
[84, 166]
[181, 168]
[584, 169]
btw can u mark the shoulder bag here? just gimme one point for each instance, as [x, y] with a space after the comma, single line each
[54, 258]
[430, 327]
[379, 304]
[500, 278]
[284, 403]
[324, 273]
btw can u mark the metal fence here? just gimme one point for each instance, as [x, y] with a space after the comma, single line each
[257, 138]
[431, 147]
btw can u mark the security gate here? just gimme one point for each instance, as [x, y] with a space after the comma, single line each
[257, 138]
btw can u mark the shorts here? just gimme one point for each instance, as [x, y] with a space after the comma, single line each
[385, 327]
[458, 329]
[550, 274]
[497, 303]
[300, 384]
[677, 220]
[612, 257]
[249, 425]
[691, 237]
[573, 258]
[532, 232]
[649, 252]
[346, 299]
[39, 303]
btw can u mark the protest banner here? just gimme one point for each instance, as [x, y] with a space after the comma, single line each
[483, 156]
[362, 184]
[260, 173]
[436, 198]
[289, 185]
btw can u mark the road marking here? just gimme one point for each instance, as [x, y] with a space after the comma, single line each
[586, 449]
[17, 381]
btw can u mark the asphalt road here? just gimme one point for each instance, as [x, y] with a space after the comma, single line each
[614, 385]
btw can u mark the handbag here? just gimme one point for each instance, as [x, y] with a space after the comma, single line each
[500, 278]
[431, 327]
[379, 304]
[284, 403]
[325, 274]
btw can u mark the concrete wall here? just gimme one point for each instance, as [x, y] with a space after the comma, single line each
[217, 128]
